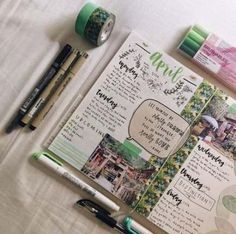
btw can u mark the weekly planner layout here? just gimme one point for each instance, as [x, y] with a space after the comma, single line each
[156, 135]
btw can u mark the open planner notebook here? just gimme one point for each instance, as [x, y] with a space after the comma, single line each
[160, 138]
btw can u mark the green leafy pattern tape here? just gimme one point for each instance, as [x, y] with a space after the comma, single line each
[94, 23]
[166, 173]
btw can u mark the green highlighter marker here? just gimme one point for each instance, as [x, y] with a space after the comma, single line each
[212, 53]
[191, 44]
[201, 31]
[133, 227]
[56, 165]
[196, 37]
[193, 41]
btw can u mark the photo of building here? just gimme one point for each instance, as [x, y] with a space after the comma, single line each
[118, 168]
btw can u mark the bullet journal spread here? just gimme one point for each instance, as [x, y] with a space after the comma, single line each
[160, 138]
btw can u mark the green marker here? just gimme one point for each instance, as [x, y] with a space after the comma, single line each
[199, 30]
[212, 53]
[191, 44]
[195, 37]
[188, 51]
[133, 227]
[193, 41]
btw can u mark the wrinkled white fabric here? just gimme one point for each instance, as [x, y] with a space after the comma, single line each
[32, 199]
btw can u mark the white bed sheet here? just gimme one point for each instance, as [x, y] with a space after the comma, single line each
[33, 200]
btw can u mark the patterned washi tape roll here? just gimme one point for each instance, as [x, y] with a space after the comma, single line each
[94, 23]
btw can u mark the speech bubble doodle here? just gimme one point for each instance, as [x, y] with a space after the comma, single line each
[157, 128]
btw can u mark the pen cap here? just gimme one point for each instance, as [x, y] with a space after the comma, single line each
[193, 40]
[15, 122]
[135, 228]
[69, 60]
[49, 161]
[94, 23]
[79, 63]
[63, 55]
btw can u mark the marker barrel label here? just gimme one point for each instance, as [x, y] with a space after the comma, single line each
[29, 100]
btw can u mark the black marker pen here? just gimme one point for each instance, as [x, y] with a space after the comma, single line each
[103, 215]
[43, 82]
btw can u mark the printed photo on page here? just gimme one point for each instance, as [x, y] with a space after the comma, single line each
[118, 168]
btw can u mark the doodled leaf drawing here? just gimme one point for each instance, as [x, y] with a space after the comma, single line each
[229, 203]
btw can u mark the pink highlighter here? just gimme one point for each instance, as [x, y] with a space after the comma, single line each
[211, 53]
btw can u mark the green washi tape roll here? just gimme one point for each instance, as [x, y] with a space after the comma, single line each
[94, 23]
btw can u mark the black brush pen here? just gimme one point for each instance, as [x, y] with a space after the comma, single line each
[43, 82]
